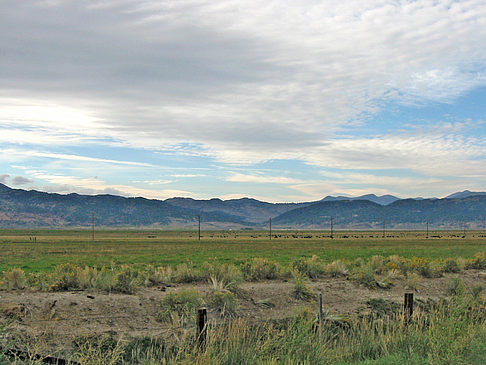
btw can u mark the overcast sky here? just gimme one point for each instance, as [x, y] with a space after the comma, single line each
[287, 100]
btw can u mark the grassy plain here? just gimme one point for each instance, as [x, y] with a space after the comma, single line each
[158, 247]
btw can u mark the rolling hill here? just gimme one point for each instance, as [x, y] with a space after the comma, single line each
[22, 208]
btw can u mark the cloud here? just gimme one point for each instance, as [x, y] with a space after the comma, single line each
[231, 76]
[240, 83]
[15, 152]
[4, 178]
[20, 180]
[93, 185]
[261, 179]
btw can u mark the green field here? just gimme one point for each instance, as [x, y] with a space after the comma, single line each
[141, 247]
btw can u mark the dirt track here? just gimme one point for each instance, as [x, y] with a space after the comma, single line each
[64, 316]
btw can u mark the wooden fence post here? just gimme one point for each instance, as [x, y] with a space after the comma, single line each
[408, 306]
[320, 316]
[202, 327]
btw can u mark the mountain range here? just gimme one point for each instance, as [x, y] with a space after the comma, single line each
[22, 208]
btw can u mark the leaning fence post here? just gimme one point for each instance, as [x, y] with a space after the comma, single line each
[202, 327]
[320, 316]
[408, 306]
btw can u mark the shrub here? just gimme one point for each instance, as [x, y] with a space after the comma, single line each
[105, 279]
[413, 281]
[15, 279]
[224, 302]
[227, 275]
[310, 267]
[126, 280]
[301, 289]
[337, 268]
[185, 274]
[377, 264]
[451, 266]
[478, 262]
[366, 277]
[87, 277]
[260, 269]
[456, 287]
[179, 307]
[66, 278]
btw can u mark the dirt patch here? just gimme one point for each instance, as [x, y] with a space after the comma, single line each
[65, 316]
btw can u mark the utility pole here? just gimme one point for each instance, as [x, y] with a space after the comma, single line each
[92, 225]
[199, 227]
[332, 228]
[384, 229]
[270, 229]
[427, 236]
[464, 230]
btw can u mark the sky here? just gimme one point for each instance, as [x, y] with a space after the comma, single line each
[286, 100]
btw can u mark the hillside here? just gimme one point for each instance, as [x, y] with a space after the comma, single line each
[404, 213]
[21, 208]
[250, 210]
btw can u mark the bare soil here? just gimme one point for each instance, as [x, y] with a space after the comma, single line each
[61, 317]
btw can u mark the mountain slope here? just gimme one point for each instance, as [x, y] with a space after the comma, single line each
[33, 208]
[250, 210]
[446, 213]
[382, 200]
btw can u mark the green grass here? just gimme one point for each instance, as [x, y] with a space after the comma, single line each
[141, 247]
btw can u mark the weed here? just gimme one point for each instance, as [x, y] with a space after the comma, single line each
[366, 277]
[413, 281]
[337, 268]
[451, 266]
[185, 274]
[15, 279]
[66, 278]
[478, 262]
[260, 269]
[309, 267]
[179, 307]
[126, 280]
[301, 289]
[223, 301]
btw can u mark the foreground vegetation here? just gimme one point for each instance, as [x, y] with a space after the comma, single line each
[376, 272]
[449, 331]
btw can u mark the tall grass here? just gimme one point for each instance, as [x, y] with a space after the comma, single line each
[376, 272]
[447, 332]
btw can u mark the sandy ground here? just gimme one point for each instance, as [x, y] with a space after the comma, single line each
[61, 317]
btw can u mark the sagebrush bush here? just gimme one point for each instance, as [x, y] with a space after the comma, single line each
[261, 269]
[223, 301]
[413, 281]
[15, 279]
[186, 274]
[179, 307]
[337, 268]
[126, 280]
[65, 278]
[301, 290]
[478, 262]
[310, 267]
[377, 264]
[228, 275]
[365, 276]
[451, 266]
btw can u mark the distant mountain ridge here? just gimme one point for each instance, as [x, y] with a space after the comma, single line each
[21, 208]
[382, 200]
[464, 194]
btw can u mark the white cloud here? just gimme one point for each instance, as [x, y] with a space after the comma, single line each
[91, 186]
[262, 179]
[242, 82]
